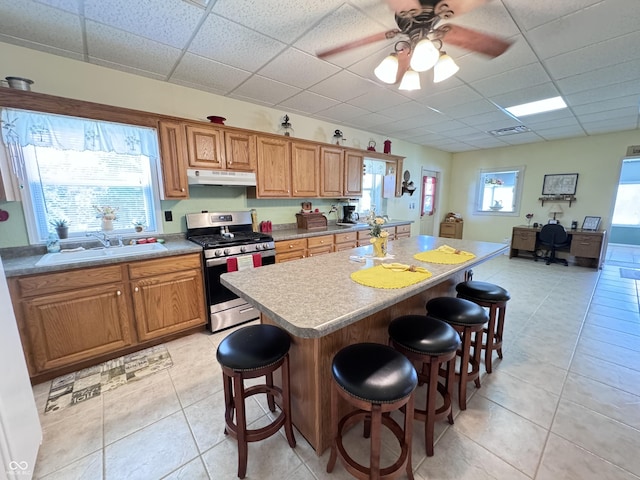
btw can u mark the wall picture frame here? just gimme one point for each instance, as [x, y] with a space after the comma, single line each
[560, 184]
[591, 223]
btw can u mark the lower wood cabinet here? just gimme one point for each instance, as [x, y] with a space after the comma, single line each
[320, 245]
[69, 318]
[345, 241]
[451, 229]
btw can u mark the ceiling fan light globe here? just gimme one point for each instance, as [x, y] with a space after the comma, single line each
[424, 56]
[387, 70]
[410, 81]
[445, 68]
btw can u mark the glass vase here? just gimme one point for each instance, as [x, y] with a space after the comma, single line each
[380, 247]
[107, 224]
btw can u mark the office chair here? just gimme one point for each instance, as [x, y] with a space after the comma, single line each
[554, 237]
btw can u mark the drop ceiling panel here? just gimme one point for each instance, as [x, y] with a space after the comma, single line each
[264, 52]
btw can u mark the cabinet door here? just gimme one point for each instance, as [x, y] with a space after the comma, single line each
[173, 153]
[523, 240]
[69, 327]
[204, 147]
[304, 170]
[274, 167]
[587, 246]
[353, 171]
[168, 303]
[403, 231]
[319, 245]
[240, 151]
[331, 171]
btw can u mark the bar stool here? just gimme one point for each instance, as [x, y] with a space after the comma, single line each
[468, 319]
[495, 298]
[376, 380]
[251, 352]
[431, 344]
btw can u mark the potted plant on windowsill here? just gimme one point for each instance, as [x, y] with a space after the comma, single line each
[62, 227]
[139, 226]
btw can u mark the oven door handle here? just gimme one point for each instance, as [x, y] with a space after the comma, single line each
[215, 262]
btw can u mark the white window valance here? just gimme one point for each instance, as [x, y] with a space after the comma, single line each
[25, 128]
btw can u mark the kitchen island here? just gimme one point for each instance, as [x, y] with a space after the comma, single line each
[323, 309]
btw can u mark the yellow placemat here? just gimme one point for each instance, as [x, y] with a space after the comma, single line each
[390, 275]
[444, 254]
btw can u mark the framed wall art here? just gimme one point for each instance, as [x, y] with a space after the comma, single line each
[591, 223]
[560, 184]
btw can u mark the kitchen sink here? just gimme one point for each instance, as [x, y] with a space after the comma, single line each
[93, 254]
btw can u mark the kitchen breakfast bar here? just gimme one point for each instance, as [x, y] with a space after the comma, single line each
[324, 310]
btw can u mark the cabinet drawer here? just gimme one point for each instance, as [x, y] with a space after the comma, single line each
[291, 245]
[448, 229]
[324, 240]
[63, 281]
[348, 237]
[363, 235]
[524, 240]
[585, 245]
[147, 268]
[403, 229]
[315, 251]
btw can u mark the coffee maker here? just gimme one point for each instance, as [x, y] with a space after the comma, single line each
[349, 214]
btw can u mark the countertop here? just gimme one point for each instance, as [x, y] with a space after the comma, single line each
[280, 234]
[22, 261]
[315, 296]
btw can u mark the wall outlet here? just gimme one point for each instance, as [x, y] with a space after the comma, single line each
[168, 216]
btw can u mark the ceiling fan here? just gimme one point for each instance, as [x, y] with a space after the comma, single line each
[420, 46]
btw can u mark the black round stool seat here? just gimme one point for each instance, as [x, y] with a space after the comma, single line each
[484, 291]
[456, 311]
[374, 372]
[253, 347]
[424, 335]
[431, 345]
[374, 380]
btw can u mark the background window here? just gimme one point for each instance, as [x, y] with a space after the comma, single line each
[428, 195]
[499, 191]
[69, 168]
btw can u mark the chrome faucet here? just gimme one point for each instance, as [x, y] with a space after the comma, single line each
[102, 238]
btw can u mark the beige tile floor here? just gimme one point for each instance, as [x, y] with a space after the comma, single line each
[563, 404]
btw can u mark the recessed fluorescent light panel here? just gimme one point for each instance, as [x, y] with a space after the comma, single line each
[541, 106]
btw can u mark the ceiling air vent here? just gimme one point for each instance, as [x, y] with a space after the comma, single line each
[509, 131]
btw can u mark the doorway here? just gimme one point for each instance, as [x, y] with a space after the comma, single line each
[625, 225]
[429, 201]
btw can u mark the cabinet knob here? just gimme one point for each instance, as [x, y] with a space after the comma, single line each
[118, 292]
[136, 289]
[290, 246]
[182, 189]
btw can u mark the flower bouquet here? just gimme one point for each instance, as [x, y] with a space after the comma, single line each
[379, 237]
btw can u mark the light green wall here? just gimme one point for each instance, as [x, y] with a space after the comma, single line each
[597, 160]
[73, 79]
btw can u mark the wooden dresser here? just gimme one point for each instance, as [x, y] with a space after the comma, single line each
[587, 247]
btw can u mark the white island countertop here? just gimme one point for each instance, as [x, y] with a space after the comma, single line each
[315, 296]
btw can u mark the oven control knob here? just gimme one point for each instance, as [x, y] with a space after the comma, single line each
[217, 253]
[243, 249]
[265, 246]
[258, 246]
[226, 251]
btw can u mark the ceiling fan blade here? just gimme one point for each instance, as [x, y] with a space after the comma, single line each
[403, 5]
[403, 64]
[458, 7]
[358, 43]
[472, 40]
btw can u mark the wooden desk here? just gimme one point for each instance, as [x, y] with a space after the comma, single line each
[587, 247]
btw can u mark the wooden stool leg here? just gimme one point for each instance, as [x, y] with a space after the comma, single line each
[334, 428]
[464, 369]
[286, 402]
[477, 355]
[408, 432]
[270, 402]
[432, 390]
[241, 425]
[448, 385]
[491, 328]
[500, 328]
[376, 441]
[228, 401]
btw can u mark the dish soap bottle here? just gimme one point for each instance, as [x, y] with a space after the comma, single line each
[53, 243]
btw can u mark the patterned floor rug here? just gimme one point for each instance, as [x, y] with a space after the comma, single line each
[630, 273]
[91, 382]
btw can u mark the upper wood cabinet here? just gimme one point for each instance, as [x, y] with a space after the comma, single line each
[205, 147]
[353, 171]
[173, 155]
[331, 171]
[305, 173]
[273, 167]
[240, 150]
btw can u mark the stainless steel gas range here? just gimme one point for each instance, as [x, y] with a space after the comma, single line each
[228, 244]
